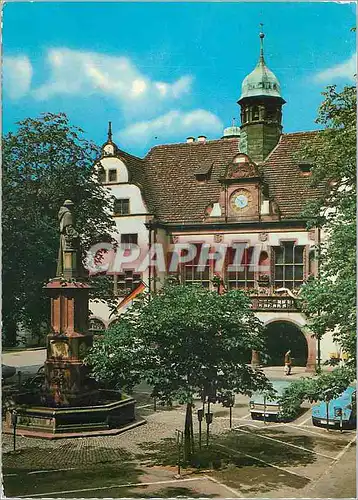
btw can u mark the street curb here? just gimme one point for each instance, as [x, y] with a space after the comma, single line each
[54, 437]
[24, 349]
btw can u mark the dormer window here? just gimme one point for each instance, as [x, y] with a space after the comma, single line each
[240, 159]
[112, 175]
[305, 166]
[201, 178]
[202, 174]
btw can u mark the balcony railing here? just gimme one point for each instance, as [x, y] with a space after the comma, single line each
[274, 303]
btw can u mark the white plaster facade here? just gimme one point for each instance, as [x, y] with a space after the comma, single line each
[132, 223]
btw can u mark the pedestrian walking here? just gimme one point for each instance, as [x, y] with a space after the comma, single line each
[288, 362]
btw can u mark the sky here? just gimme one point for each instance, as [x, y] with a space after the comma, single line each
[164, 71]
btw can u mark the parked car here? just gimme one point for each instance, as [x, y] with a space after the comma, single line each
[342, 411]
[262, 406]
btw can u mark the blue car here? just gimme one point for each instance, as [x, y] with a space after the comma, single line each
[342, 411]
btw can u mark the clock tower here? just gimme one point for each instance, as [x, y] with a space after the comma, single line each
[261, 110]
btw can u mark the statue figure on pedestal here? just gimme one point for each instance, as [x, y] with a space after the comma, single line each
[69, 237]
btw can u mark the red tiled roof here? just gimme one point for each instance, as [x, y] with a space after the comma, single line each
[173, 194]
[176, 194]
[287, 186]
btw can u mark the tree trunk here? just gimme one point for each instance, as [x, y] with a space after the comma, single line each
[192, 429]
[188, 433]
[10, 337]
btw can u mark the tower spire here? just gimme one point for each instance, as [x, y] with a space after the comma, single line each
[262, 36]
[109, 131]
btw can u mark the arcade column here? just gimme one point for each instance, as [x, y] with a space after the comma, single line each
[255, 359]
[312, 350]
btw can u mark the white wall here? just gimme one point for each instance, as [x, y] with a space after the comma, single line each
[131, 191]
[132, 223]
[328, 346]
[294, 317]
[115, 163]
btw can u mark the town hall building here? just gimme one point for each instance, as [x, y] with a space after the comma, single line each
[250, 185]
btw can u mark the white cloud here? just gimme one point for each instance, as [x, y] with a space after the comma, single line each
[86, 73]
[176, 89]
[345, 70]
[172, 125]
[17, 74]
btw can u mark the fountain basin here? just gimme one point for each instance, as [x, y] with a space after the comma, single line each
[112, 413]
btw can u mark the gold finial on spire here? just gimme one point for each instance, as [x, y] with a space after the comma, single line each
[262, 36]
[109, 131]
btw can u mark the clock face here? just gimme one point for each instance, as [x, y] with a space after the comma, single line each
[240, 200]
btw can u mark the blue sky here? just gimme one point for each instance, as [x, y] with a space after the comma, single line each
[163, 71]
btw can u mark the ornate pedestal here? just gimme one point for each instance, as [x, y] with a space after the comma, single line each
[67, 379]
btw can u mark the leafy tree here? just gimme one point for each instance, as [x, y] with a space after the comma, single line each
[185, 341]
[326, 386]
[116, 357]
[329, 299]
[45, 162]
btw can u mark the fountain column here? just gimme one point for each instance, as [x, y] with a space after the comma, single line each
[66, 378]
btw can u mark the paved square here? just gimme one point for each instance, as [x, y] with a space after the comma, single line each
[264, 459]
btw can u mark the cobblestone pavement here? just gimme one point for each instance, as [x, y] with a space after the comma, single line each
[160, 425]
[276, 460]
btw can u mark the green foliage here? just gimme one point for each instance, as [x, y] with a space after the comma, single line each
[45, 162]
[184, 341]
[181, 339]
[116, 357]
[293, 396]
[326, 386]
[329, 299]
[194, 336]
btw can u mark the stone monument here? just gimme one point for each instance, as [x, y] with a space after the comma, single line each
[70, 403]
[66, 377]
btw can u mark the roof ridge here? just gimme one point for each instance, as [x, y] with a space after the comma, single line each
[302, 132]
[121, 151]
[193, 144]
[273, 150]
